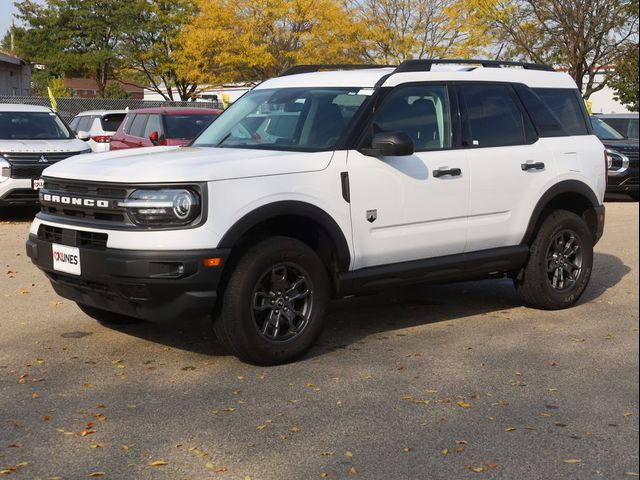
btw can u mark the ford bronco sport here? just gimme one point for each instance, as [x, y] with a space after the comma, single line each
[329, 181]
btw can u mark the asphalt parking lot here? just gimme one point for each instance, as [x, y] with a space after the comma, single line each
[431, 382]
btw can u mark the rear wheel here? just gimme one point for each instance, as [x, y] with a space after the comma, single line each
[106, 317]
[274, 303]
[560, 263]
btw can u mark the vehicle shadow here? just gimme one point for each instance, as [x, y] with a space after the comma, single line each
[351, 319]
[18, 214]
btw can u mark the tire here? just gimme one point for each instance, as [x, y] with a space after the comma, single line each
[550, 280]
[106, 317]
[274, 304]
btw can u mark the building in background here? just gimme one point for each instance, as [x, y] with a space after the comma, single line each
[15, 76]
[88, 88]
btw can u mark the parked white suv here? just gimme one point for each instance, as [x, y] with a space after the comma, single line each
[371, 178]
[99, 125]
[31, 139]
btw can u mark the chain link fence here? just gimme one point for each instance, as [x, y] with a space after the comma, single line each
[69, 107]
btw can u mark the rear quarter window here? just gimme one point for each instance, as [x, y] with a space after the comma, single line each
[568, 107]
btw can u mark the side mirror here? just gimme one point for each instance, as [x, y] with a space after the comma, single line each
[84, 136]
[153, 136]
[389, 144]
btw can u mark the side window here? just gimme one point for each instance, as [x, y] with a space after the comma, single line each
[544, 120]
[566, 104]
[74, 123]
[154, 124]
[128, 120]
[420, 111]
[136, 129]
[494, 117]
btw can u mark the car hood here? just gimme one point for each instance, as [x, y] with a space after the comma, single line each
[185, 164]
[42, 146]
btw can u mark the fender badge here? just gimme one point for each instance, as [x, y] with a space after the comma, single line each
[372, 215]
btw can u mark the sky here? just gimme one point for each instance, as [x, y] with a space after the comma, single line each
[7, 9]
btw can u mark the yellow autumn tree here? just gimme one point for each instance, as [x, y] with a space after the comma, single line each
[251, 40]
[398, 30]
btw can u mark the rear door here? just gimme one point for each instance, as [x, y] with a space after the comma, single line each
[402, 208]
[508, 166]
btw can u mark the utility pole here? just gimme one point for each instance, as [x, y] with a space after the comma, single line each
[13, 45]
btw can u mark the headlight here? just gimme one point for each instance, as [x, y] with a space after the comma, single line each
[165, 207]
[5, 170]
[617, 162]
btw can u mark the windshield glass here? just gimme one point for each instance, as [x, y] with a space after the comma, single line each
[604, 131]
[298, 119]
[186, 126]
[33, 126]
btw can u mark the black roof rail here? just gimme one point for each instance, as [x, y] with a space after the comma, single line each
[316, 68]
[425, 65]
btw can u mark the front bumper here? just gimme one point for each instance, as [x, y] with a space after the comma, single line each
[627, 182]
[158, 286]
[17, 191]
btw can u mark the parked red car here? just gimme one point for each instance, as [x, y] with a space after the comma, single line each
[147, 127]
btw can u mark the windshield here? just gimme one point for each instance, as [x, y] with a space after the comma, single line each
[604, 131]
[33, 126]
[186, 126]
[626, 126]
[298, 119]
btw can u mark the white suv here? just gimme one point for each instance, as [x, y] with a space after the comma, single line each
[31, 139]
[99, 125]
[322, 184]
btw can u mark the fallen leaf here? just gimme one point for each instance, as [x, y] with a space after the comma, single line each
[220, 470]
[157, 463]
[628, 414]
[478, 469]
[407, 449]
[89, 385]
[445, 451]
[572, 461]
[97, 474]
[509, 429]
[295, 429]
[353, 471]
[348, 454]
[463, 404]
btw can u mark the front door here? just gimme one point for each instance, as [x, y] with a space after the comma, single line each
[411, 207]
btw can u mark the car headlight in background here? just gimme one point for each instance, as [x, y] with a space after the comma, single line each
[617, 162]
[165, 207]
[5, 170]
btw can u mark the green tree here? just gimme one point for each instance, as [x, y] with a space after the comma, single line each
[76, 35]
[149, 50]
[579, 35]
[56, 84]
[625, 81]
[115, 90]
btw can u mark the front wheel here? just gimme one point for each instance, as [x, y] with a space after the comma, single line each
[560, 263]
[274, 303]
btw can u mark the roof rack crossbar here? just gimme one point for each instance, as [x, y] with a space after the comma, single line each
[316, 68]
[425, 65]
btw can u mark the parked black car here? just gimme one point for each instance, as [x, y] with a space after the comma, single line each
[623, 158]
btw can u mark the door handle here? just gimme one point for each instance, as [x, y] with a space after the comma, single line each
[445, 171]
[532, 166]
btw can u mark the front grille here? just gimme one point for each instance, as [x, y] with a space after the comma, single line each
[27, 171]
[37, 157]
[84, 201]
[631, 152]
[73, 238]
[22, 195]
[31, 165]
